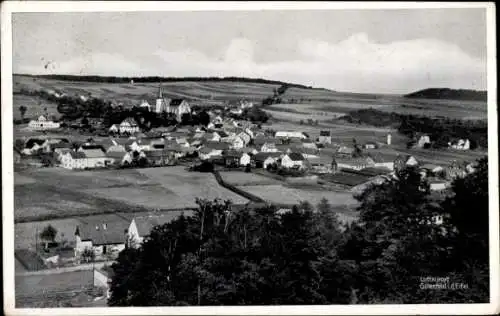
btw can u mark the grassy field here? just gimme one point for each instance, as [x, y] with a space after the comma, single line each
[277, 193]
[37, 284]
[35, 106]
[243, 179]
[61, 192]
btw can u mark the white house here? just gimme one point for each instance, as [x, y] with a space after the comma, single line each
[104, 235]
[325, 137]
[129, 126]
[141, 226]
[178, 107]
[290, 134]
[269, 148]
[86, 158]
[43, 124]
[354, 163]
[245, 137]
[461, 144]
[245, 159]
[120, 158]
[145, 105]
[423, 140]
[293, 160]
[115, 128]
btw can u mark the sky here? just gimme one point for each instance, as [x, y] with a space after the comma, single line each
[367, 51]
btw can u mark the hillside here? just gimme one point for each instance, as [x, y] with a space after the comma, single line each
[449, 94]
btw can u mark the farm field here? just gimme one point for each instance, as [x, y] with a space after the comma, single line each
[61, 192]
[37, 284]
[280, 194]
[35, 106]
[187, 185]
[237, 178]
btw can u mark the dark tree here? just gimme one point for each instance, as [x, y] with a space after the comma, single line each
[48, 234]
[23, 110]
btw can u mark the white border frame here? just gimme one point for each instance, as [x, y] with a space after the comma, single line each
[9, 7]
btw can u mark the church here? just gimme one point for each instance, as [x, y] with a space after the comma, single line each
[178, 107]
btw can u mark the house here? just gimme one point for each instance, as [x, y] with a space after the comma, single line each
[320, 164]
[246, 159]
[115, 128]
[325, 137]
[145, 105]
[120, 158]
[249, 150]
[231, 158]
[178, 107]
[405, 161]
[159, 157]
[263, 159]
[43, 124]
[344, 151]
[86, 158]
[219, 135]
[293, 160]
[370, 145]
[290, 134]
[245, 137]
[141, 226]
[129, 126]
[212, 149]
[460, 144]
[258, 141]
[236, 142]
[284, 148]
[438, 184]
[105, 235]
[269, 148]
[354, 163]
[430, 169]
[383, 160]
[423, 140]
[307, 143]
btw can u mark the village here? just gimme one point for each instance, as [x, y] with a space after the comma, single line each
[228, 147]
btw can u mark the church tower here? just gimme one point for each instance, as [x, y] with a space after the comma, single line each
[159, 101]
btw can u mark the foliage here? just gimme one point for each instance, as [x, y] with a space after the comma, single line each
[49, 233]
[258, 256]
[23, 110]
[88, 255]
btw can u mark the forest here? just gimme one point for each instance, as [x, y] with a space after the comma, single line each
[258, 256]
[449, 94]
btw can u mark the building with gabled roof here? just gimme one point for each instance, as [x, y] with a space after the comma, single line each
[293, 160]
[141, 226]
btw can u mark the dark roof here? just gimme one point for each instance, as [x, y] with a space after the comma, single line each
[156, 153]
[296, 156]
[146, 223]
[77, 155]
[231, 153]
[263, 156]
[217, 145]
[60, 145]
[324, 133]
[262, 140]
[94, 146]
[93, 229]
[176, 102]
[222, 134]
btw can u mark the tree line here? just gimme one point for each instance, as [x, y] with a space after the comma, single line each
[261, 257]
[440, 129]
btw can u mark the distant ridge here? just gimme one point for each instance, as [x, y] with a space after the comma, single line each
[112, 79]
[449, 94]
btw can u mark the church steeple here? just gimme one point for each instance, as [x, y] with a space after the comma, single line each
[160, 92]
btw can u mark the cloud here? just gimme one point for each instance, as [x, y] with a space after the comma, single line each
[354, 64]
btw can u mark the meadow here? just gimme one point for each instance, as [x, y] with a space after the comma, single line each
[238, 178]
[55, 192]
[277, 193]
